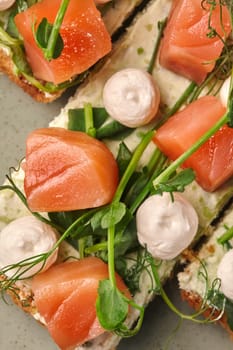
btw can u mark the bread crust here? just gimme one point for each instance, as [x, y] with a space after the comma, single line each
[22, 297]
[7, 67]
[195, 301]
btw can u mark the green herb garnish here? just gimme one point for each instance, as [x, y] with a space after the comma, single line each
[227, 236]
[47, 35]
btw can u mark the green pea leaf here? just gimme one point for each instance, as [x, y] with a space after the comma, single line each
[230, 109]
[114, 130]
[42, 37]
[18, 57]
[127, 240]
[123, 157]
[111, 306]
[177, 183]
[76, 118]
[96, 219]
[113, 215]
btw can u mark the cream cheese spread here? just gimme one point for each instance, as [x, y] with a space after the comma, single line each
[131, 97]
[6, 4]
[24, 238]
[165, 226]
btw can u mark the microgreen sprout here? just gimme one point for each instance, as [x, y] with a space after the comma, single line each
[206, 302]
[47, 35]
[108, 293]
[226, 236]
[161, 27]
[210, 6]
[89, 121]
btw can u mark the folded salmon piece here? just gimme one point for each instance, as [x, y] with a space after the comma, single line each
[194, 38]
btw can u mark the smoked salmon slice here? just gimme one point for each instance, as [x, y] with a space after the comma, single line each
[68, 170]
[66, 294]
[213, 161]
[85, 38]
[186, 48]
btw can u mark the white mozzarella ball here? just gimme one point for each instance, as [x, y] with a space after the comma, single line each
[131, 97]
[166, 227]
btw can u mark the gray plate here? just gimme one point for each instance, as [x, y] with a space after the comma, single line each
[19, 115]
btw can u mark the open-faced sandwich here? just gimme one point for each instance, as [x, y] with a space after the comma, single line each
[130, 174]
[47, 46]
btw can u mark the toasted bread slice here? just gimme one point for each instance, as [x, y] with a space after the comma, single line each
[7, 67]
[115, 16]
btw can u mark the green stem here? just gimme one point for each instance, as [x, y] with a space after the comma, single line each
[55, 29]
[111, 258]
[201, 87]
[117, 197]
[154, 160]
[32, 261]
[226, 236]
[52, 88]
[131, 332]
[96, 248]
[82, 218]
[133, 164]
[6, 39]
[89, 121]
[180, 160]
[21, 196]
[183, 98]
[81, 247]
[169, 302]
[146, 190]
[161, 26]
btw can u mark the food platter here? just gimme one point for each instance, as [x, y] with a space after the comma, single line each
[161, 329]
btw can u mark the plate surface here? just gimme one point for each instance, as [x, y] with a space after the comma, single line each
[161, 330]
